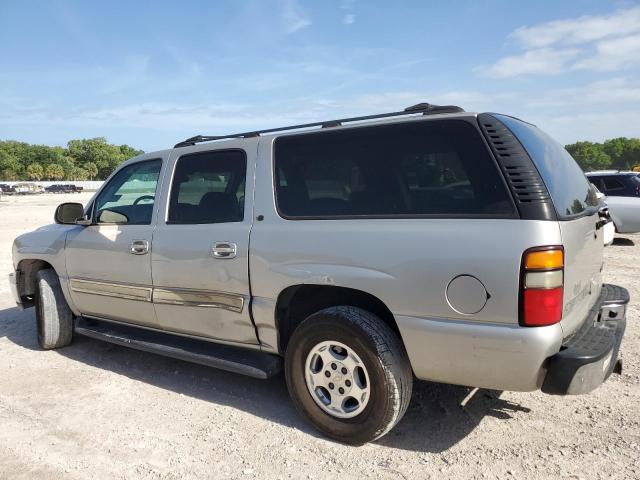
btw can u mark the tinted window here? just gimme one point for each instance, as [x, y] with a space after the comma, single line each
[611, 184]
[129, 196]
[569, 188]
[414, 168]
[208, 187]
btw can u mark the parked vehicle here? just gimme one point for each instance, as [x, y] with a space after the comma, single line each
[28, 188]
[622, 197]
[355, 256]
[615, 183]
[6, 188]
[63, 188]
[624, 213]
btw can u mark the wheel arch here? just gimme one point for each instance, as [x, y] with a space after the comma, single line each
[29, 269]
[297, 302]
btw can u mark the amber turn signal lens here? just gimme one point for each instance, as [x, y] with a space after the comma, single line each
[544, 260]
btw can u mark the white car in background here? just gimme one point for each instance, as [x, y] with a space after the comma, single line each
[624, 211]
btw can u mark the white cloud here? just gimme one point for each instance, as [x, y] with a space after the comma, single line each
[592, 42]
[293, 17]
[349, 19]
[543, 61]
[613, 54]
[347, 4]
[619, 91]
[580, 30]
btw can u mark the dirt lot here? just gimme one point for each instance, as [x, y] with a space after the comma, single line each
[93, 410]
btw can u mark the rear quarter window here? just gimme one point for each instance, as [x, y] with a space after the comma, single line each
[568, 186]
[409, 169]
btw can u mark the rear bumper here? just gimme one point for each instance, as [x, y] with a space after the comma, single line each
[587, 359]
[477, 354]
[13, 286]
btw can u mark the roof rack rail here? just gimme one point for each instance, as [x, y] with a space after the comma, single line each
[423, 108]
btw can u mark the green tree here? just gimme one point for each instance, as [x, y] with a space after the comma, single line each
[9, 165]
[35, 171]
[53, 171]
[590, 156]
[95, 156]
[9, 175]
[77, 173]
[91, 169]
[624, 152]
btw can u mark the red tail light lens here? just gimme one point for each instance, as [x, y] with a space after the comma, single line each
[541, 286]
[542, 306]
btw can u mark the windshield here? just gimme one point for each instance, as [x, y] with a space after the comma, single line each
[568, 186]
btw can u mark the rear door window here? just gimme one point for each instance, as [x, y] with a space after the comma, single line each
[612, 185]
[428, 168]
[208, 187]
[567, 184]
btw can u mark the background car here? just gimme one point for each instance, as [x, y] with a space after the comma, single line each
[62, 188]
[27, 188]
[6, 188]
[614, 183]
[624, 211]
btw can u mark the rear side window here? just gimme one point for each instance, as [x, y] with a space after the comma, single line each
[567, 184]
[208, 187]
[438, 167]
[613, 185]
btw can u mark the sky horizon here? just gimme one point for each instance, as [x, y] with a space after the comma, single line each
[150, 74]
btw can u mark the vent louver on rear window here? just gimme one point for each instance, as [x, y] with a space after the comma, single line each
[526, 185]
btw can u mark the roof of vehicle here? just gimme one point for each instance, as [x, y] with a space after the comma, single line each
[419, 109]
[612, 172]
[418, 112]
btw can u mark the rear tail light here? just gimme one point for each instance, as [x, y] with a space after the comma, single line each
[541, 286]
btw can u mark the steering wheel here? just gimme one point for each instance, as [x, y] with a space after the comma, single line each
[144, 197]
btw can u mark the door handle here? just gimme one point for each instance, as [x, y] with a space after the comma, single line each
[140, 247]
[224, 250]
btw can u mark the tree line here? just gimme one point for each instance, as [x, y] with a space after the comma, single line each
[95, 158]
[615, 154]
[87, 159]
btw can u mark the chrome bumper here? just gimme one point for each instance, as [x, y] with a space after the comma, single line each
[13, 285]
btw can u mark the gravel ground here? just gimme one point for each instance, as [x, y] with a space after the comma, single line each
[101, 411]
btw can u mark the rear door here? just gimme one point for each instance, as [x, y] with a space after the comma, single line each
[576, 206]
[200, 256]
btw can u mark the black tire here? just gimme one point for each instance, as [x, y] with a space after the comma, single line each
[386, 361]
[53, 315]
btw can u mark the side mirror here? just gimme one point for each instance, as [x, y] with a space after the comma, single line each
[69, 213]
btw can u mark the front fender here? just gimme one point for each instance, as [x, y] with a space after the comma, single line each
[46, 245]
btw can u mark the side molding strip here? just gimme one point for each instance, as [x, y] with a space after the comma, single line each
[106, 289]
[198, 298]
[167, 296]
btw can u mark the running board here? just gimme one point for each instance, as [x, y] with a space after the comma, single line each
[224, 357]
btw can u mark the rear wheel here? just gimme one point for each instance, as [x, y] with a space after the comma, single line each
[348, 374]
[53, 315]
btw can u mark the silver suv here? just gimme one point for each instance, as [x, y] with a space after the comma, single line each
[356, 254]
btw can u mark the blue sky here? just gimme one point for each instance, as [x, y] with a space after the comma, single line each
[152, 73]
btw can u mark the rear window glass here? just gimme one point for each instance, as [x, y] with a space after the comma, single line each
[208, 187]
[567, 184]
[611, 184]
[412, 169]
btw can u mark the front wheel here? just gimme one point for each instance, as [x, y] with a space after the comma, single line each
[53, 315]
[348, 374]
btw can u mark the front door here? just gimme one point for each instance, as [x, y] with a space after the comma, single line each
[200, 257]
[109, 262]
